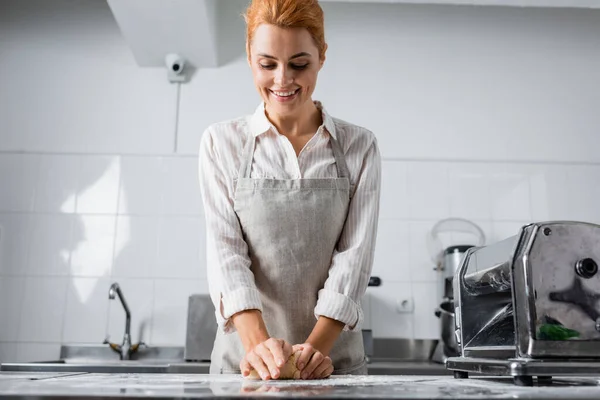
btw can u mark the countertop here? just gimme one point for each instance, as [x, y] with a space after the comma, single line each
[377, 367]
[47, 385]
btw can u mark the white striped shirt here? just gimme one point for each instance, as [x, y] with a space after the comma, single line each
[231, 282]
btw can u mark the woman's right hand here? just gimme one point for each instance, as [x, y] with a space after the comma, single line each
[266, 358]
[312, 363]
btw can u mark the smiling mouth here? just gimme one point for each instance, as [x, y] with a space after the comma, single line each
[284, 95]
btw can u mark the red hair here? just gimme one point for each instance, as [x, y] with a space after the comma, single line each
[287, 14]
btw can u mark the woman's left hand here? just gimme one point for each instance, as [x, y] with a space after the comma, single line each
[312, 363]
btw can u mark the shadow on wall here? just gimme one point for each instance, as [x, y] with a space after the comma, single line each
[56, 262]
[138, 223]
[89, 314]
[95, 246]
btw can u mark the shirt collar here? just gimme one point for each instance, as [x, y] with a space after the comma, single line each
[259, 123]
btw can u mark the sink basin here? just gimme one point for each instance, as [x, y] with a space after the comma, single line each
[94, 353]
[89, 367]
[111, 367]
[101, 359]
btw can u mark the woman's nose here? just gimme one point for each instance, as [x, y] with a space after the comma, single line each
[283, 76]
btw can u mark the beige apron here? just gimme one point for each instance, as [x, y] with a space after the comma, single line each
[292, 227]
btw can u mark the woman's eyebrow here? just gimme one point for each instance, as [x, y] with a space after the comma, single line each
[301, 54]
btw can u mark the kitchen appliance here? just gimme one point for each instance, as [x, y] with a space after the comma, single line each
[447, 261]
[451, 260]
[447, 346]
[446, 242]
[528, 305]
[201, 328]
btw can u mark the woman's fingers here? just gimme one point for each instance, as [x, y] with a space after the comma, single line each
[276, 348]
[328, 372]
[312, 363]
[264, 352]
[305, 356]
[323, 370]
[316, 360]
[245, 367]
[288, 350]
[258, 364]
[267, 358]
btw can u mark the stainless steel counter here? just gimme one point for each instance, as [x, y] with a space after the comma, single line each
[176, 386]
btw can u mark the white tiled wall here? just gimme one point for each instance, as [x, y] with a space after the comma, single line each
[56, 265]
[93, 192]
[80, 223]
[499, 197]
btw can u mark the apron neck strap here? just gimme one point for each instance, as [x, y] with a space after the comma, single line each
[247, 156]
[340, 160]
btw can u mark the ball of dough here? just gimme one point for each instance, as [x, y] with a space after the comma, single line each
[288, 371]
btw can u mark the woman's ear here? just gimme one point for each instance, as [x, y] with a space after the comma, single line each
[248, 54]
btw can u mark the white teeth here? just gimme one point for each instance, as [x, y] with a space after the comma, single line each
[284, 94]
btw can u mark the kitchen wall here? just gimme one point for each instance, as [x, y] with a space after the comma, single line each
[483, 113]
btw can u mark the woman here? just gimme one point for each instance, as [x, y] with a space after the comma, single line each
[291, 199]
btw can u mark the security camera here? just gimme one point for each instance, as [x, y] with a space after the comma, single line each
[175, 63]
[175, 67]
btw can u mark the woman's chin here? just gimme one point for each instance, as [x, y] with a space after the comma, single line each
[284, 108]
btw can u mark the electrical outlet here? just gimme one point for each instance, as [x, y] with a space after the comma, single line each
[405, 305]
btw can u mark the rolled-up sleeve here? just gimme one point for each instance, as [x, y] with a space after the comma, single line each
[231, 282]
[352, 260]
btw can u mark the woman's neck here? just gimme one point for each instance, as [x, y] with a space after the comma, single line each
[306, 121]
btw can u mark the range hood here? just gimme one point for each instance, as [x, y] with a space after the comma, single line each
[203, 31]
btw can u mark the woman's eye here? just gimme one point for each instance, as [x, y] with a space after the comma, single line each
[299, 67]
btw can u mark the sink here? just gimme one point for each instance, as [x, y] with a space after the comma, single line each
[94, 353]
[101, 359]
[110, 367]
[89, 367]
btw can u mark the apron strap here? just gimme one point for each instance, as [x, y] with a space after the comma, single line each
[247, 156]
[340, 160]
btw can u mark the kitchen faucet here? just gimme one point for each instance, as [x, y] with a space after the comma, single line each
[126, 349]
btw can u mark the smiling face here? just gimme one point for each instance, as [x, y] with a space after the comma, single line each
[285, 64]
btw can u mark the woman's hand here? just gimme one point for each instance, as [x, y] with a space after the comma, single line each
[312, 363]
[266, 358]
